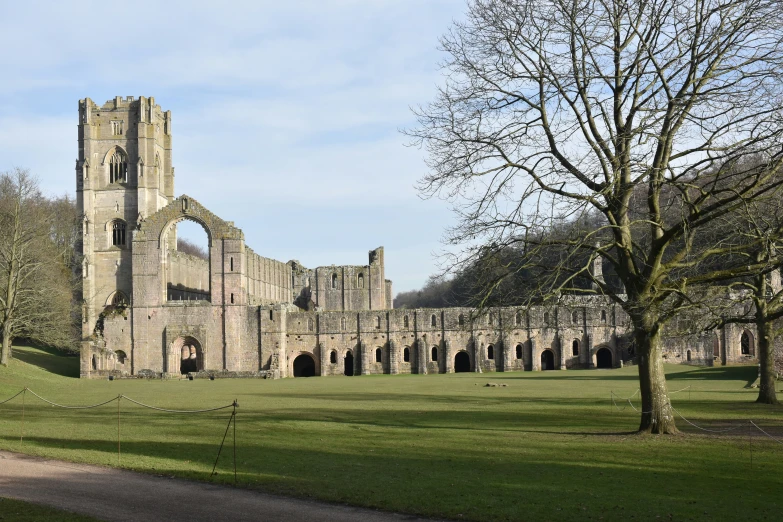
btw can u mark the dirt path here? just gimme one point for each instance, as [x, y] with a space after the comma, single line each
[113, 494]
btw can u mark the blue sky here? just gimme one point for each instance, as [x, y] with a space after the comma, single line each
[286, 114]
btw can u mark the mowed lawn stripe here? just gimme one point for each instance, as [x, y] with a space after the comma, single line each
[548, 445]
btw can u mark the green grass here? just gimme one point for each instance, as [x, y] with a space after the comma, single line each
[18, 511]
[547, 446]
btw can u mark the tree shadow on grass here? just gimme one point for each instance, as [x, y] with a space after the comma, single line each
[49, 359]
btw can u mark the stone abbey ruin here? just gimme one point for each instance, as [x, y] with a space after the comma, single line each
[152, 310]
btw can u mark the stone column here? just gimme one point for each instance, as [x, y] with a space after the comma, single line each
[589, 348]
[448, 357]
[421, 355]
[394, 358]
[504, 345]
[478, 356]
[322, 352]
[365, 368]
[535, 364]
[562, 348]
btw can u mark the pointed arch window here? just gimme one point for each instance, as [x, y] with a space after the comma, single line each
[118, 228]
[119, 299]
[360, 281]
[118, 167]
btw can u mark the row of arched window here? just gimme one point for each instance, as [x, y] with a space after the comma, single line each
[118, 168]
[336, 281]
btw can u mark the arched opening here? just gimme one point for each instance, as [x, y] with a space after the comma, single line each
[342, 324]
[547, 360]
[746, 343]
[378, 355]
[334, 281]
[117, 299]
[461, 320]
[490, 352]
[191, 354]
[433, 320]
[118, 230]
[187, 260]
[406, 355]
[121, 357]
[518, 318]
[546, 318]
[461, 362]
[603, 358]
[405, 322]
[575, 317]
[118, 167]
[348, 364]
[603, 316]
[688, 356]
[304, 366]
[435, 354]
[333, 357]
[377, 322]
[575, 348]
[360, 281]
[519, 351]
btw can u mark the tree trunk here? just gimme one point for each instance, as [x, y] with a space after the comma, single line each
[766, 353]
[5, 352]
[657, 413]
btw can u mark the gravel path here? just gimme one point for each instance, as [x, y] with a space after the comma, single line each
[114, 494]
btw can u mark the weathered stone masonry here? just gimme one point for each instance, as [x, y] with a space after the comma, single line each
[149, 307]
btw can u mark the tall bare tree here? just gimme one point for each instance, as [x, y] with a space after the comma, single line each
[554, 110]
[36, 299]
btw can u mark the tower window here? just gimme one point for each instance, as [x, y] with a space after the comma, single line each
[117, 127]
[118, 167]
[434, 320]
[490, 352]
[118, 233]
[378, 355]
[360, 281]
[334, 280]
[406, 355]
[342, 324]
[405, 322]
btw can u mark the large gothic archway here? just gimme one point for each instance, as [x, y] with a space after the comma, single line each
[304, 365]
[190, 352]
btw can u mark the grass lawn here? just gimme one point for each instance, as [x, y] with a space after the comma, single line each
[546, 446]
[17, 511]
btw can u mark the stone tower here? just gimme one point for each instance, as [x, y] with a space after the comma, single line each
[123, 174]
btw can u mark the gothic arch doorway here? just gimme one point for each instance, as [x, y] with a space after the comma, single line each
[304, 365]
[603, 358]
[461, 362]
[747, 346]
[190, 353]
[348, 364]
[547, 360]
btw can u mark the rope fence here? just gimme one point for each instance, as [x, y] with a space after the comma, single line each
[748, 424]
[232, 419]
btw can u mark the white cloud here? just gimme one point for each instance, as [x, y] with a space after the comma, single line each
[285, 113]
